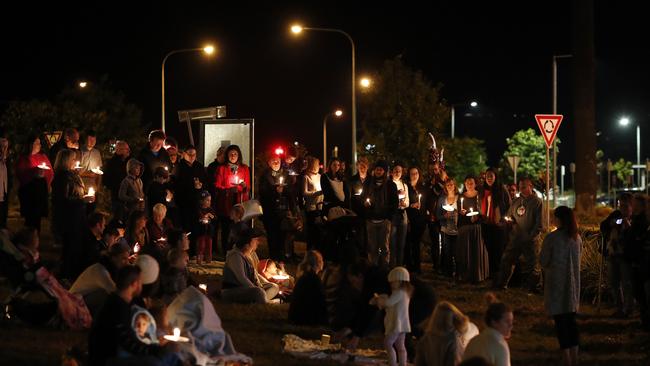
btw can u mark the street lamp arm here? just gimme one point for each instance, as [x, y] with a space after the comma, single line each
[179, 51]
[332, 30]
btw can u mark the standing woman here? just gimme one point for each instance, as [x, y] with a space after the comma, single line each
[472, 262]
[495, 202]
[417, 217]
[313, 195]
[35, 175]
[399, 223]
[232, 183]
[560, 258]
[69, 211]
[447, 211]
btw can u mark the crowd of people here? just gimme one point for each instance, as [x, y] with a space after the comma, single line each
[364, 235]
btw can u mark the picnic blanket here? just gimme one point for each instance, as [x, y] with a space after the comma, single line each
[304, 348]
[194, 314]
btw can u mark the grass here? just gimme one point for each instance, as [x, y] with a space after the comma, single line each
[257, 329]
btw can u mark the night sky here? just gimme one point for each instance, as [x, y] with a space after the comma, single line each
[497, 54]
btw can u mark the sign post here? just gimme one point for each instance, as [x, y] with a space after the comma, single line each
[548, 124]
[513, 160]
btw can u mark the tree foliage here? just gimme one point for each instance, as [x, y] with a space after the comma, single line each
[95, 107]
[623, 170]
[529, 145]
[465, 156]
[398, 111]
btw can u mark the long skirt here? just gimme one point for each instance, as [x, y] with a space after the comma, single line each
[472, 261]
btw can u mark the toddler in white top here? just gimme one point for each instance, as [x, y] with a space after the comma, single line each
[396, 321]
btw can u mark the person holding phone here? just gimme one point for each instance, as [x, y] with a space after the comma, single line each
[613, 229]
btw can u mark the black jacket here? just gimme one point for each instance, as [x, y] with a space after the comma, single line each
[308, 301]
[383, 199]
[114, 173]
[151, 162]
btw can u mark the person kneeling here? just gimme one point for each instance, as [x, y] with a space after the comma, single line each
[240, 282]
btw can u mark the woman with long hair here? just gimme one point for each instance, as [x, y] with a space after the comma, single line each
[447, 212]
[443, 343]
[417, 217]
[399, 222]
[69, 198]
[495, 202]
[313, 196]
[560, 258]
[472, 262]
[35, 174]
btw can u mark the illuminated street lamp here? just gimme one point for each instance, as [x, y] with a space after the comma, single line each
[338, 113]
[473, 104]
[298, 29]
[83, 84]
[365, 83]
[207, 49]
[624, 121]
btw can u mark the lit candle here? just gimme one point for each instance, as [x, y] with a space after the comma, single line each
[177, 332]
[77, 165]
[166, 168]
[359, 192]
[281, 180]
[43, 166]
[461, 203]
[136, 248]
[368, 200]
[91, 191]
[203, 287]
[97, 171]
[419, 198]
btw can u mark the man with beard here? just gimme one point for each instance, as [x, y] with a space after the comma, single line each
[380, 202]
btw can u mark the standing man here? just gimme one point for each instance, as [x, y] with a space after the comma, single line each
[114, 173]
[357, 186]
[524, 217]
[380, 201]
[153, 155]
[91, 158]
[69, 140]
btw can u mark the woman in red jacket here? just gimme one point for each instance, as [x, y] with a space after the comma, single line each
[232, 184]
[35, 174]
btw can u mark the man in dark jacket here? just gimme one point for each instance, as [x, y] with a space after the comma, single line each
[380, 201]
[114, 173]
[69, 140]
[190, 180]
[152, 156]
[112, 331]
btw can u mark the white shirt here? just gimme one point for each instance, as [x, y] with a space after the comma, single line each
[490, 345]
[402, 187]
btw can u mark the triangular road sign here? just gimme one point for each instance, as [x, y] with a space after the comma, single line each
[549, 124]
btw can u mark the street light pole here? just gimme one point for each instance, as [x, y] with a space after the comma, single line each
[297, 29]
[555, 57]
[337, 113]
[472, 104]
[207, 49]
[638, 152]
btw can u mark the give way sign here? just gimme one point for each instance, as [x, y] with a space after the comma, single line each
[549, 124]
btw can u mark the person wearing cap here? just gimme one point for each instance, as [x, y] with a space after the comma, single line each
[114, 173]
[240, 281]
[153, 155]
[131, 192]
[380, 202]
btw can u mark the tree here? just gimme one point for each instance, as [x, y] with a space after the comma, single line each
[95, 107]
[584, 112]
[529, 145]
[398, 112]
[623, 170]
[465, 156]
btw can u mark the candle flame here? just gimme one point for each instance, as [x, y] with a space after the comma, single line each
[203, 287]
[91, 191]
[177, 332]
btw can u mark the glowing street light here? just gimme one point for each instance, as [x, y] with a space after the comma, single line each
[365, 82]
[337, 113]
[83, 84]
[298, 29]
[473, 104]
[624, 121]
[207, 49]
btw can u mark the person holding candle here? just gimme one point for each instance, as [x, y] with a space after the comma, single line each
[204, 228]
[417, 217]
[277, 204]
[399, 221]
[313, 196]
[525, 225]
[112, 333]
[335, 189]
[69, 212]
[356, 184]
[136, 230]
[90, 163]
[435, 190]
[159, 226]
[153, 155]
[131, 189]
[472, 261]
[380, 201]
[161, 192]
[232, 183]
[447, 211]
[35, 174]
[495, 203]
[190, 181]
[69, 140]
